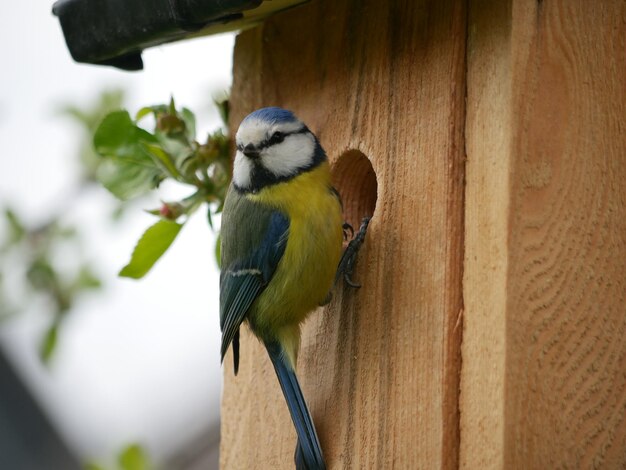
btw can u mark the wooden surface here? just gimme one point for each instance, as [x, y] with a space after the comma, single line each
[380, 366]
[544, 351]
[521, 247]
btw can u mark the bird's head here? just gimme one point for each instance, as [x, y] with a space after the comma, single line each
[273, 145]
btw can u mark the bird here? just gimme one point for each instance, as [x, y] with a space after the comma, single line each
[282, 239]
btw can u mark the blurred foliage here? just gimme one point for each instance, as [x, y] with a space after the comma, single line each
[32, 251]
[89, 119]
[135, 161]
[31, 254]
[132, 457]
[129, 161]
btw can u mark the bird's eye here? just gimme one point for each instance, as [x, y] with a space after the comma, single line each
[277, 138]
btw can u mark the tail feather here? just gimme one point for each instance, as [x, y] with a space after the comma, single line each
[308, 451]
[299, 458]
[236, 351]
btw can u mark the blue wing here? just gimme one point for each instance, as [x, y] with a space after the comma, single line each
[243, 280]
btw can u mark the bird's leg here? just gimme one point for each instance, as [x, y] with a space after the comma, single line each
[348, 259]
[327, 299]
[348, 233]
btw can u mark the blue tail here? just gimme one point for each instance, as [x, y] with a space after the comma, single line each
[308, 451]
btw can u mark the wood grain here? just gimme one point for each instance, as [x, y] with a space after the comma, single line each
[544, 357]
[379, 366]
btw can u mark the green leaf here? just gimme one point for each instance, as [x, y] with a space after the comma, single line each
[41, 274]
[163, 158]
[86, 279]
[223, 107]
[150, 247]
[154, 109]
[190, 123]
[176, 148]
[143, 112]
[118, 211]
[49, 342]
[117, 135]
[128, 181]
[126, 170]
[133, 457]
[16, 228]
[209, 217]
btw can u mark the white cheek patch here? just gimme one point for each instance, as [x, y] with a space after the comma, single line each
[242, 170]
[295, 152]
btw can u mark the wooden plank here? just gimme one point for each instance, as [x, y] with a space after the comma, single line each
[487, 138]
[544, 358]
[379, 366]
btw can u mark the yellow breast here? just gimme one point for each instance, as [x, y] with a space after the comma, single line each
[307, 269]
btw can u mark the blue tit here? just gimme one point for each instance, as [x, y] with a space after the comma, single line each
[282, 237]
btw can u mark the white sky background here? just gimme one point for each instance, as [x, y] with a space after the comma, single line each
[138, 361]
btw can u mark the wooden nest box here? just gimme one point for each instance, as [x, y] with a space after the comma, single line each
[488, 140]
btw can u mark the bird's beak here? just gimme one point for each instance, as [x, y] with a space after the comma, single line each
[251, 151]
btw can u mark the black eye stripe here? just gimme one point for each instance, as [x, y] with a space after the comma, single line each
[268, 142]
[276, 138]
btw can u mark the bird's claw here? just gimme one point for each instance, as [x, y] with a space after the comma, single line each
[348, 259]
[350, 282]
[347, 228]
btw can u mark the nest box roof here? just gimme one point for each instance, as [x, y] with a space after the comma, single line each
[115, 32]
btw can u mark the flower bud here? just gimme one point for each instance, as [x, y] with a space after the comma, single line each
[171, 210]
[170, 124]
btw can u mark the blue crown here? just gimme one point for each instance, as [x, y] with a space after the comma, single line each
[272, 114]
